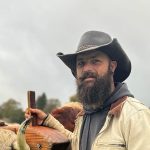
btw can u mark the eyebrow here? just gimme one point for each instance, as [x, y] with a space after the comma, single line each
[82, 58]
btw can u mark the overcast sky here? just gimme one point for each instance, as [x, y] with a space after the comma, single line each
[33, 31]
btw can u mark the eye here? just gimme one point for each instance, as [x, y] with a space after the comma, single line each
[95, 61]
[80, 64]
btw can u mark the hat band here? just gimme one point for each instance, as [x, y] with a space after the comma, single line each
[83, 47]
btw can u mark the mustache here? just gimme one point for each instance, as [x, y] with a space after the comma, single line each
[87, 75]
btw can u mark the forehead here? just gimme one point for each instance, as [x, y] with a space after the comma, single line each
[91, 54]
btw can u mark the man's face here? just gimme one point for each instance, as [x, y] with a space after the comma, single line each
[94, 78]
[95, 62]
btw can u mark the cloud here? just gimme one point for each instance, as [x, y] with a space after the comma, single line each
[32, 32]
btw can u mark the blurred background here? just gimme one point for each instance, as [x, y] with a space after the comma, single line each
[33, 31]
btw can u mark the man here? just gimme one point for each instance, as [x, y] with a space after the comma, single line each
[112, 119]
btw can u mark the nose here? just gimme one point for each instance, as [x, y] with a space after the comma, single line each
[87, 67]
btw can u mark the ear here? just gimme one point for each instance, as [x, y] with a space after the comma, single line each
[113, 66]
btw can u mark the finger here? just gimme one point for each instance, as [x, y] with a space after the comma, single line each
[32, 110]
[27, 116]
[28, 111]
[36, 111]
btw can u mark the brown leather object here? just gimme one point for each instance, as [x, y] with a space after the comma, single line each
[67, 114]
[43, 138]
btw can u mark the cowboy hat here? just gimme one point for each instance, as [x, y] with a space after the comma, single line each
[96, 40]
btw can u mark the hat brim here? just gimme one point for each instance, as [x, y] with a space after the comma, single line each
[113, 50]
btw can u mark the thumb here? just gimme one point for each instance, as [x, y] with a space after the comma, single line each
[34, 110]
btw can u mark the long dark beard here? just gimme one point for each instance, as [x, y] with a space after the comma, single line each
[93, 97]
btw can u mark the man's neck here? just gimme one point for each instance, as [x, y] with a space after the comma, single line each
[112, 87]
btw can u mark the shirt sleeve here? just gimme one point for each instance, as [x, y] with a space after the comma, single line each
[54, 123]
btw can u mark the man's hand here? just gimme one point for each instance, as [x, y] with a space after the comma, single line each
[40, 114]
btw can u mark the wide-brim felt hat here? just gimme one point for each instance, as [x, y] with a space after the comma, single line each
[100, 41]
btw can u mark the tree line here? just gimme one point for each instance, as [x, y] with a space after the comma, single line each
[12, 112]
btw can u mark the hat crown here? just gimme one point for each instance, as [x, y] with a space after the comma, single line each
[93, 39]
